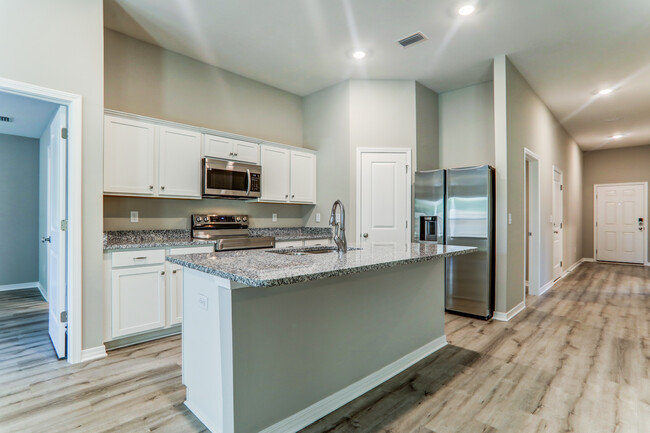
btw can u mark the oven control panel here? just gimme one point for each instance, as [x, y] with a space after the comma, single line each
[232, 221]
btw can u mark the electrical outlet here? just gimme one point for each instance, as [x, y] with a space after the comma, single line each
[274, 217]
[509, 218]
[318, 217]
[134, 216]
[203, 302]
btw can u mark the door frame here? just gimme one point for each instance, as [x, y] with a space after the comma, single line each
[556, 169]
[535, 205]
[645, 216]
[73, 103]
[409, 181]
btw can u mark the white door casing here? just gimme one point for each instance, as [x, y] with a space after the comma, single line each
[558, 223]
[57, 245]
[620, 222]
[383, 196]
[534, 219]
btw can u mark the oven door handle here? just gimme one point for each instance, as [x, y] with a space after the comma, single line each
[248, 176]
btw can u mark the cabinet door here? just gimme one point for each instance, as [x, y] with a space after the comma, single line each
[303, 177]
[217, 147]
[275, 173]
[175, 295]
[137, 300]
[289, 244]
[128, 156]
[179, 162]
[246, 152]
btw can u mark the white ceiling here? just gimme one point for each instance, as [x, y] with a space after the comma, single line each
[565, 49]
[30, 116]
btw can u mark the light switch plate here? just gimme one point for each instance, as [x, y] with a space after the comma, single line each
[509, 218]
[318, 217]
[274, 217]
[134, 216]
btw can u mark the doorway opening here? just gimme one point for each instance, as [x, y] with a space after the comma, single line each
[620, 219]
[532, 266]
[558, 223]
[44, 174]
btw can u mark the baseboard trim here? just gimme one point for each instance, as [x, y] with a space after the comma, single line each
[587, 259]
[505, 317]
[93, 353]
[42, 290]
[329, 404]
[546, 287]
[19, 286]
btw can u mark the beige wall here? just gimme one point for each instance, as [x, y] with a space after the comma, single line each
[630, 164]
[59, 45]
[530, 124]
[427, 126]
[467, 126]
[147, 80]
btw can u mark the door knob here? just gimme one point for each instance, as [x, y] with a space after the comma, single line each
[47, 239]
[365, 235]
[555, 231]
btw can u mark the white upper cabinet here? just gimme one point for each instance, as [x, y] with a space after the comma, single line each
[179, 162]
[303, 177]
[229, 148]
[129, 152]
[288, 176]
[276, 168]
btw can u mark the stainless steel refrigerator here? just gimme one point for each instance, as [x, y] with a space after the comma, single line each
[464, 215]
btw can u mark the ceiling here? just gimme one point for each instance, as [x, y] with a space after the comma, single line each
[29, 116]
[565, 49]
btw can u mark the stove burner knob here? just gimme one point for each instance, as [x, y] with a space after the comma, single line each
[238, 219]
[205, 219]
[198, 219]
[244, 219]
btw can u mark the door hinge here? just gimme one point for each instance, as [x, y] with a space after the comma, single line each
[560, 263]
[407, 168]
[560, 225]
[64, 317]
[561, 187]
[64, 225]
[406, 225]
[64, 133]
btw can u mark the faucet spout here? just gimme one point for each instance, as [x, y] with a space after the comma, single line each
[339, 227]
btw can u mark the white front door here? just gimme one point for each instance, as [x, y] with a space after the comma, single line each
[620, 224]
[385, 197]
[558, 224]
[56, 247]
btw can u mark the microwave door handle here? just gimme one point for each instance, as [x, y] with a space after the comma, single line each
[248, 177]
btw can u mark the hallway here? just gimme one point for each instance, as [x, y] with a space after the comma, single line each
[576, 359]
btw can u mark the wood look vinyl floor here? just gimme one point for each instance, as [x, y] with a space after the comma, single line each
[577, 359]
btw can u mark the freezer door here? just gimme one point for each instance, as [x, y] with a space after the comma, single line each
[470, 281]
[429, 201]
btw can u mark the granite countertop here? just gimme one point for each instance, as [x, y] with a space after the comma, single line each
[131, 239]
[263, 268]
[292, 233]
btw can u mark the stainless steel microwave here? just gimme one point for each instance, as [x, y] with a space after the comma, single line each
[230, 179]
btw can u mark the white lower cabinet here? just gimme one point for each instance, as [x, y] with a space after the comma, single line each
[138, 299]
[303, 243]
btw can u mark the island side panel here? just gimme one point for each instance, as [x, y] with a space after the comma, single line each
[296, 345]
[207, 349]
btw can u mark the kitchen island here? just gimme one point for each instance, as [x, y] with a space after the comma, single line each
[273, 341]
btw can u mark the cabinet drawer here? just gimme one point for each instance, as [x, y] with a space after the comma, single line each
[288, 244]
[316, 242]
[191, 250]
[138, 258]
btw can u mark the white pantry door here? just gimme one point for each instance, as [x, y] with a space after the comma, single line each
[620, 225]
[558, 224]
[385, 198]
[56, 237]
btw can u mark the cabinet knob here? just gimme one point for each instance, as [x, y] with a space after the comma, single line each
[365, 235]
[174, 271]
[150, 186]
[236, 154]
[231, 154]
[292, 195]
[286, 196]
[162, 272]
[162, 188]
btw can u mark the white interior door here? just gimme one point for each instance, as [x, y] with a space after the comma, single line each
[558, 224]
[56, 247]
[620, 223]
[385, 197]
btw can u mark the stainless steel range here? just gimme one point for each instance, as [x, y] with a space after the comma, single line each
[230, 232]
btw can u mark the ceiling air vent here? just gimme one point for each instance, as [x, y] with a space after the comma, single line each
[412, 39]
[6, 119]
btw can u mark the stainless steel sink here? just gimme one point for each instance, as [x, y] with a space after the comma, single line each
[307, 251]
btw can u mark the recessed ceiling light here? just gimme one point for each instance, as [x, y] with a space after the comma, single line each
[605, 91]
[617, 136]
[359, 54]
[466, 10]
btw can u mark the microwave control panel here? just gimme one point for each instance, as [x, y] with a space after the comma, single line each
[255, 182]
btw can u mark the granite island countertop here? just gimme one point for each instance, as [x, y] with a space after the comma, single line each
[265, 268]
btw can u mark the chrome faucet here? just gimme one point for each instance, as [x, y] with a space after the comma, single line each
[339, 228]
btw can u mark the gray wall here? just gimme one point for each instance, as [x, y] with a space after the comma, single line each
[530, 124]
[19, 168]
[630, 164]
[143, 79]
[427, 125]
[467, 126]
[40, 31]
